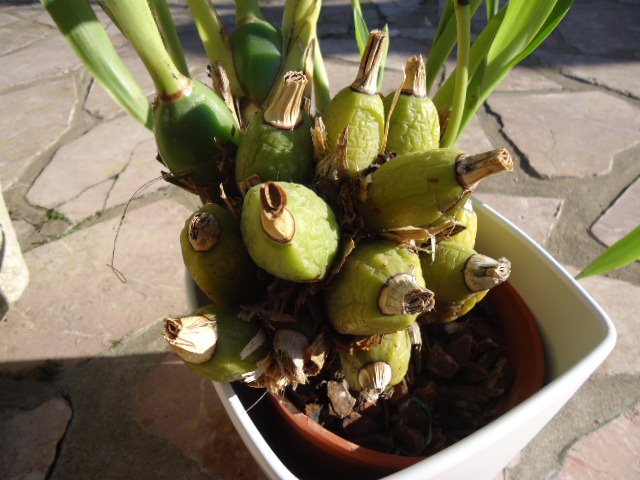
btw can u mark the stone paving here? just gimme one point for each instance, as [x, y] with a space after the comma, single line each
[87, 388]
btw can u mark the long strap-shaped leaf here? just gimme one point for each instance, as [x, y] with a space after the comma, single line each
[621, 253]
[444, 41]
[79, 24]
[215, 40]
[481, 86]
[477, 57]
[169, 33]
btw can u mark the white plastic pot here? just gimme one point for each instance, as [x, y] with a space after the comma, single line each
[577, 334]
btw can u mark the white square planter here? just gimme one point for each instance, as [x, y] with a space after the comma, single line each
[577, 336]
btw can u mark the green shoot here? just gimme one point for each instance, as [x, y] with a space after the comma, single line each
[463, 27]
[215, 39]
[623, 252]
[79, 24]
[169, 33]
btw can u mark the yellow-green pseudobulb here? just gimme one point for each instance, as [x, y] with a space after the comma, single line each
[216, 344]
[289, 231]
[215, 255]
[360, 108]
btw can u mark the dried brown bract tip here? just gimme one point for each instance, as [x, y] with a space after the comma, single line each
[473, 168]
[374, 379]
[290, 348]
[284, 110]
[415, 82]
[401, 295]
[204, 231]
[276, 220]
[482, 272]
[193, 338]
[367, 78]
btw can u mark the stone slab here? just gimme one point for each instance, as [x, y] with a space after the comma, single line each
[473, 139]
[141, 169]
[99, 155]
[104, 441]
[75, 307]
[621, 301]
[572, 134]
[537, 216]
[6, 19]
[611, 452]
[39, 116]
[614, 73]
[43, 60]
[30, 439]
[19, 35]
[584, 25]
[526, 79]
[90, 201]
[180, 407]
[620, 218]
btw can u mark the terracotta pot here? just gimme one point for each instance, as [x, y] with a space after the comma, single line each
[350, 460]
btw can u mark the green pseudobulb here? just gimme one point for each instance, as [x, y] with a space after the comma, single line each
[414, 189]
[257, 57]
[352, 297]
[364, 115]
[309, 253]
[190, 131]
[414, 125]
[274, 154]
[227, 364]
[394, 349]
[225, 271]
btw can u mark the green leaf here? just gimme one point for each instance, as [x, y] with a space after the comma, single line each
[169, 33]
[493, 6]
[481, 88]
[623, 252]
[477, 62]
[444, 41]
[362, 31]
[78, 23]
[383, 57]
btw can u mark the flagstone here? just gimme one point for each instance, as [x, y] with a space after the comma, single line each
[571, 134]
[75, 307]
[612, 452]
[620, 218]
[100, 154]
[184, 409]
[537, 216]
[30, 439]
[621, 301]
[42, 60]
[34, 119]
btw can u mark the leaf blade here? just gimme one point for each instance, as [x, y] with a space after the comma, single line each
[360, 26]
[623, 252]
[78, 23]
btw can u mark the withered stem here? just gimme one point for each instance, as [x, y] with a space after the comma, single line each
[482, 272]
[204, 231]
[284, 110]
[473, 168]
[367, 79]
[401, 295]
[415, 82]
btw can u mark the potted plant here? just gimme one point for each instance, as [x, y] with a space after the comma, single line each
[329, 245]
